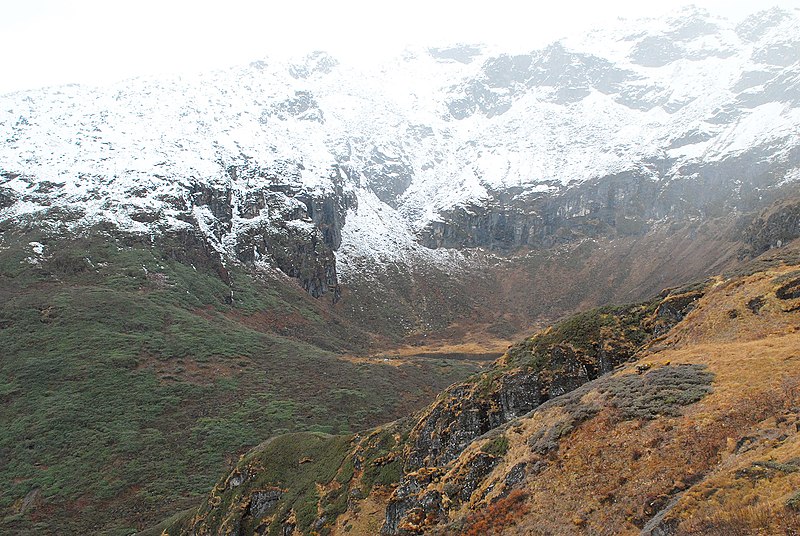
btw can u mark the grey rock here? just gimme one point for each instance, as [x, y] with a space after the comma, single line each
[263, 503]
[302, 106]
[409, 501]
[301, 251]
[758, 24]
[655, 51]
[388, 176]
[781, 54]
[315, 63]
[773, 230]
[516, 475]
[460, 53]
[7, 197]
[479, 468]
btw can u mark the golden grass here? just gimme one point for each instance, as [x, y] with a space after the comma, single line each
[408, 354]
[367, 518]
[611, 476]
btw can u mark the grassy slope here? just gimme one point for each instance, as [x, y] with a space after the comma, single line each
[128, 382]
[729, 461]
[313, 477]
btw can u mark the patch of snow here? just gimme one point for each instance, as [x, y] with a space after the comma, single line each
[38, 253]
[792, 176]
[768, 121]
[378, 233]
[37, 247]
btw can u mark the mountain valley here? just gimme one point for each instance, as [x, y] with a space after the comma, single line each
[464, 290]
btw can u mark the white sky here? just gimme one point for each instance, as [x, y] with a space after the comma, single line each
[45, 42]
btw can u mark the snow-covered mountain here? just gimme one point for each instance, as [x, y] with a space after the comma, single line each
[289, 165]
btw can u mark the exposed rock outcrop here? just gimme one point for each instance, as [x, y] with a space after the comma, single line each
[626, 204]
[277, 222]
[7, 198]
[776, 227]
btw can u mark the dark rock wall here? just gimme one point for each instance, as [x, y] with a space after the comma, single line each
[297, 231]
[773, 229]
[625, 204]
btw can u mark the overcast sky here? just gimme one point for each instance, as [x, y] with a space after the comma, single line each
[47, 42]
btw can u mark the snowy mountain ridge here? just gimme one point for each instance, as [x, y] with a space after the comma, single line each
[367, 162]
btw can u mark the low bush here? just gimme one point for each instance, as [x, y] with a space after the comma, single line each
[794, 502]
[502, 514]
[661, 391]
[496, 447]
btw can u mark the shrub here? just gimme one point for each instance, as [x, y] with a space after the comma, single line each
[498, 516]
[496, 447]
[794, 502]
[756, 304]
[789, 290]
[760, 470]
[546, 439]
[661, 391]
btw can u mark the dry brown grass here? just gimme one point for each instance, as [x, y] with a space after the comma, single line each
[762, 519]
[616, 473]
[367, 517]
[482, 351]
[493, 519]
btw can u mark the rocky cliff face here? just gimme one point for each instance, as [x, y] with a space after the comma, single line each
[619, 205]
[275, 223]
[776, 227]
